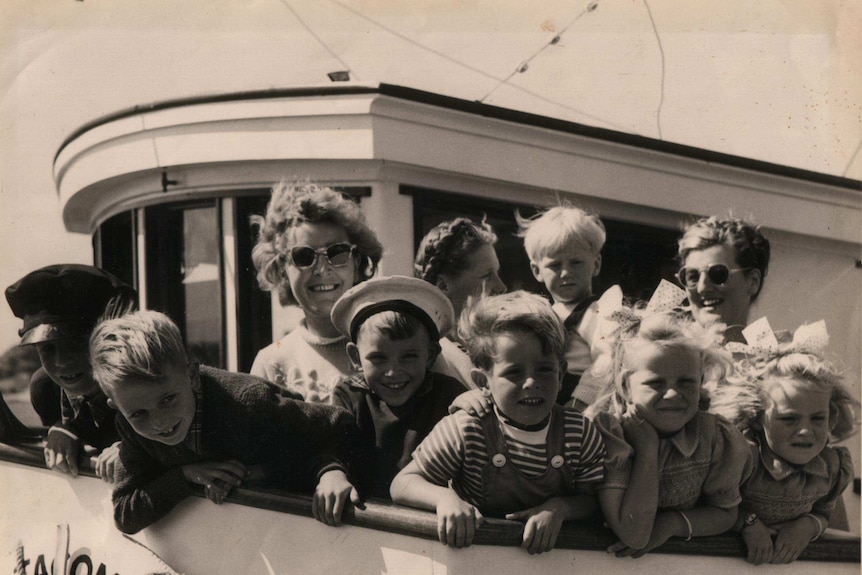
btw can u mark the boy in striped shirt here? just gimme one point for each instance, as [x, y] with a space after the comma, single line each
[528, 459]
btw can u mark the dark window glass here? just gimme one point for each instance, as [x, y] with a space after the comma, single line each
[115, 247]
[254, 306]
[184, 274]
[635, 256]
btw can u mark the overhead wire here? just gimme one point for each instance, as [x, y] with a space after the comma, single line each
[852, 158]
[479, 71]
[524, 65]
[661, 52]
[319, 39]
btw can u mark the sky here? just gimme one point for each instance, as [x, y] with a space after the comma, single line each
[772, 80]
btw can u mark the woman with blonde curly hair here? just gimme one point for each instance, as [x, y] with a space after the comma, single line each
[313, 245]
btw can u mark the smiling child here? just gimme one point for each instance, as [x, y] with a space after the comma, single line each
[60, 305]
[528, 459]
[183, 424]
[394, 325]
[672, 469]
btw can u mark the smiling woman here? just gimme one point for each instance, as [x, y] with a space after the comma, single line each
[313, 246]
[724, 265]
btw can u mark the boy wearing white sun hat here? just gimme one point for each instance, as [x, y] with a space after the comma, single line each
[394, 325]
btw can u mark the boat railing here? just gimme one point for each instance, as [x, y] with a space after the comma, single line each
[834, 546]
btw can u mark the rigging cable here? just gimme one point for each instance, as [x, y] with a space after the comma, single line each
[522, 67]
[852, 158]
[318, 38]
[439, 54]
[661, 52]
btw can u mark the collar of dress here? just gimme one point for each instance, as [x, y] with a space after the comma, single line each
[781, 469]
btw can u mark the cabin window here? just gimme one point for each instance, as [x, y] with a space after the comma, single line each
[183, 276]
[635, 256]
[254, 306]
[114, 247]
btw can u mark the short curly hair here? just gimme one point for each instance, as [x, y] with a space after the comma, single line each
[294, 204]
[447, 247]
[487, 318]
[749, 244]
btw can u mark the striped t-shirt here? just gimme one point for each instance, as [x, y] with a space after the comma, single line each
[455, 451]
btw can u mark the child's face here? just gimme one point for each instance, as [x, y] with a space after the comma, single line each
[161, 410]
[393, 369]
[665, 386]
[568, 273]
[482, 276]
[67, 363]
[796, 425]
[524, 379]
[317, 287]
[728, 302]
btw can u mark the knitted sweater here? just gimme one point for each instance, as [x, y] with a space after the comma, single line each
[304, 363]
[243, 418]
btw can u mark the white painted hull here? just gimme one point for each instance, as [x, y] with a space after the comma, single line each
[200, 537]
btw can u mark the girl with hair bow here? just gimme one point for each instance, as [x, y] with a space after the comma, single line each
[672, 469]
[791, 404]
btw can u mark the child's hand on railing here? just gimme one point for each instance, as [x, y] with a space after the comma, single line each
[105, 462]
[61, 451]
[457, 521]
[758, 542]
[333, 492]
[543, 525]
[217, 477]
[793, 537]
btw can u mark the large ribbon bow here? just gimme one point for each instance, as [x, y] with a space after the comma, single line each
[665, 298]
[761, 340]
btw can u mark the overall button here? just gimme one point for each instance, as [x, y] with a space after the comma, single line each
[499, 460]
[557, 461]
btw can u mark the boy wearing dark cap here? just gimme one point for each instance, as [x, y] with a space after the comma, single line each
[394, 325]
[60, 305]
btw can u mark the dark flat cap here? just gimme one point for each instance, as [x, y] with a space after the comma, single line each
[64, 300]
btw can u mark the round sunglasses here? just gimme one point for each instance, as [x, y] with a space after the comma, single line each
[338, 255]
[718, 274]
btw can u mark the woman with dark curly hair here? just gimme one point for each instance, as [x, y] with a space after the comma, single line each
[723, 265]
[458, 257]
[313, 246]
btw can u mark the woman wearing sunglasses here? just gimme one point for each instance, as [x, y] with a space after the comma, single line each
[313, 246]
[724, 264]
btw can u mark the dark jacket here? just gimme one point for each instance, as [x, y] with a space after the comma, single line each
[390, 434]
[244, 418]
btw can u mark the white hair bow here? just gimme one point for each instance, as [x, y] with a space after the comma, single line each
[761, 340]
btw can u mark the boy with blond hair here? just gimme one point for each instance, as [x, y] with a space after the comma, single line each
[564, 244]
[184, 424]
